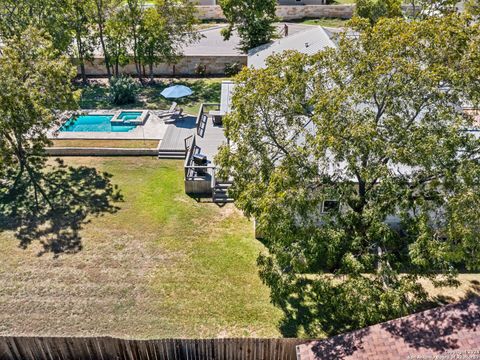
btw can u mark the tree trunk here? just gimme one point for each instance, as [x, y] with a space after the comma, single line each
[82, 70]
[105, 53]
[151, 73]
[138, 66]
[81, 59]
[100, 20]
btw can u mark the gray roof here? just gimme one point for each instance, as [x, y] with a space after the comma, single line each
[309, 41]
[213, 44]
[226, 97]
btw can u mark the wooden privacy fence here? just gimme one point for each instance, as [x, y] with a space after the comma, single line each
[107, 348]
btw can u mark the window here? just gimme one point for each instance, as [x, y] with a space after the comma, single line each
[329, 206]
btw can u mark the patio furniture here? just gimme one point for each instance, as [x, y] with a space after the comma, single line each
[176, 92]
[178, 114]
[217, 116]
[163, 113]
[200, 159]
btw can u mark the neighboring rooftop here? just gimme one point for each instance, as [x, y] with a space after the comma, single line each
[475, 113]
[308, 41]
[213, 44]
[453, 329]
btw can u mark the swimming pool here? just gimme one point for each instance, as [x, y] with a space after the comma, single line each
[96, 123]
[129, 115]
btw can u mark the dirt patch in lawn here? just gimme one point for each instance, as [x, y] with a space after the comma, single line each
[125, 144]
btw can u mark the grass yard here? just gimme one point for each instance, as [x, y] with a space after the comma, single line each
[95, 96]
[327, 22]
[163, 266]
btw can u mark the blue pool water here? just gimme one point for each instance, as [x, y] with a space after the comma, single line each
[94, 123]
[129, 115]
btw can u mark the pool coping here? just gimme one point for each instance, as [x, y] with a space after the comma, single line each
[138, 121]
[67, 115]
[115, 116]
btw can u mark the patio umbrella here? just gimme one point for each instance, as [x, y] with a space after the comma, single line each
[176, 91]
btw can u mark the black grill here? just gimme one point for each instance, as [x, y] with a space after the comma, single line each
[200, 160]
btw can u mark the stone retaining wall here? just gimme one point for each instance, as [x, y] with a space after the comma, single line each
[294, 12]
[214, 65]
[288, 12]
[314, 11]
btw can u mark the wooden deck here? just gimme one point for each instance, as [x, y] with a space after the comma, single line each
[209, 138]
[176, 133]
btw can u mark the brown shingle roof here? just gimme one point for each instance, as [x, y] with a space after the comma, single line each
[475, 114]
[451, 328]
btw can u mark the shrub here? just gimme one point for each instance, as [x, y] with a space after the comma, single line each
[232, 69]
[200, 70]
[123, 90]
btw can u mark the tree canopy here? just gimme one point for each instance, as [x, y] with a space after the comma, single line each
[35, 81]
[252, 19]
[148, 33]
[37, 200]
[373, 10]
[358, 169]
[427, 8]
[49, 15]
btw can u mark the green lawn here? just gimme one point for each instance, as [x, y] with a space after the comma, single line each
[327, 22]
[95, 95]
[163, 266]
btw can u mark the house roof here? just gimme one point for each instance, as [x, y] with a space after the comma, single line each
[309, 41]
[475, 113]
[213, 44]
[451, 330]
[226, 97]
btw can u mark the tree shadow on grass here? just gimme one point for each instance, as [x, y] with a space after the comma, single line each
[55, 210]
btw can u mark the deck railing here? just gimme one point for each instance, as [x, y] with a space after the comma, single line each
[192, 147]
[202, 114]
[191, 169]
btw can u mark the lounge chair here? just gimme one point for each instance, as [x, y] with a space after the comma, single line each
[165, 113]
[178, 114]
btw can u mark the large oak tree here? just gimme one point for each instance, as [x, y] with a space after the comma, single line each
[376, 126]
[40, 201]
